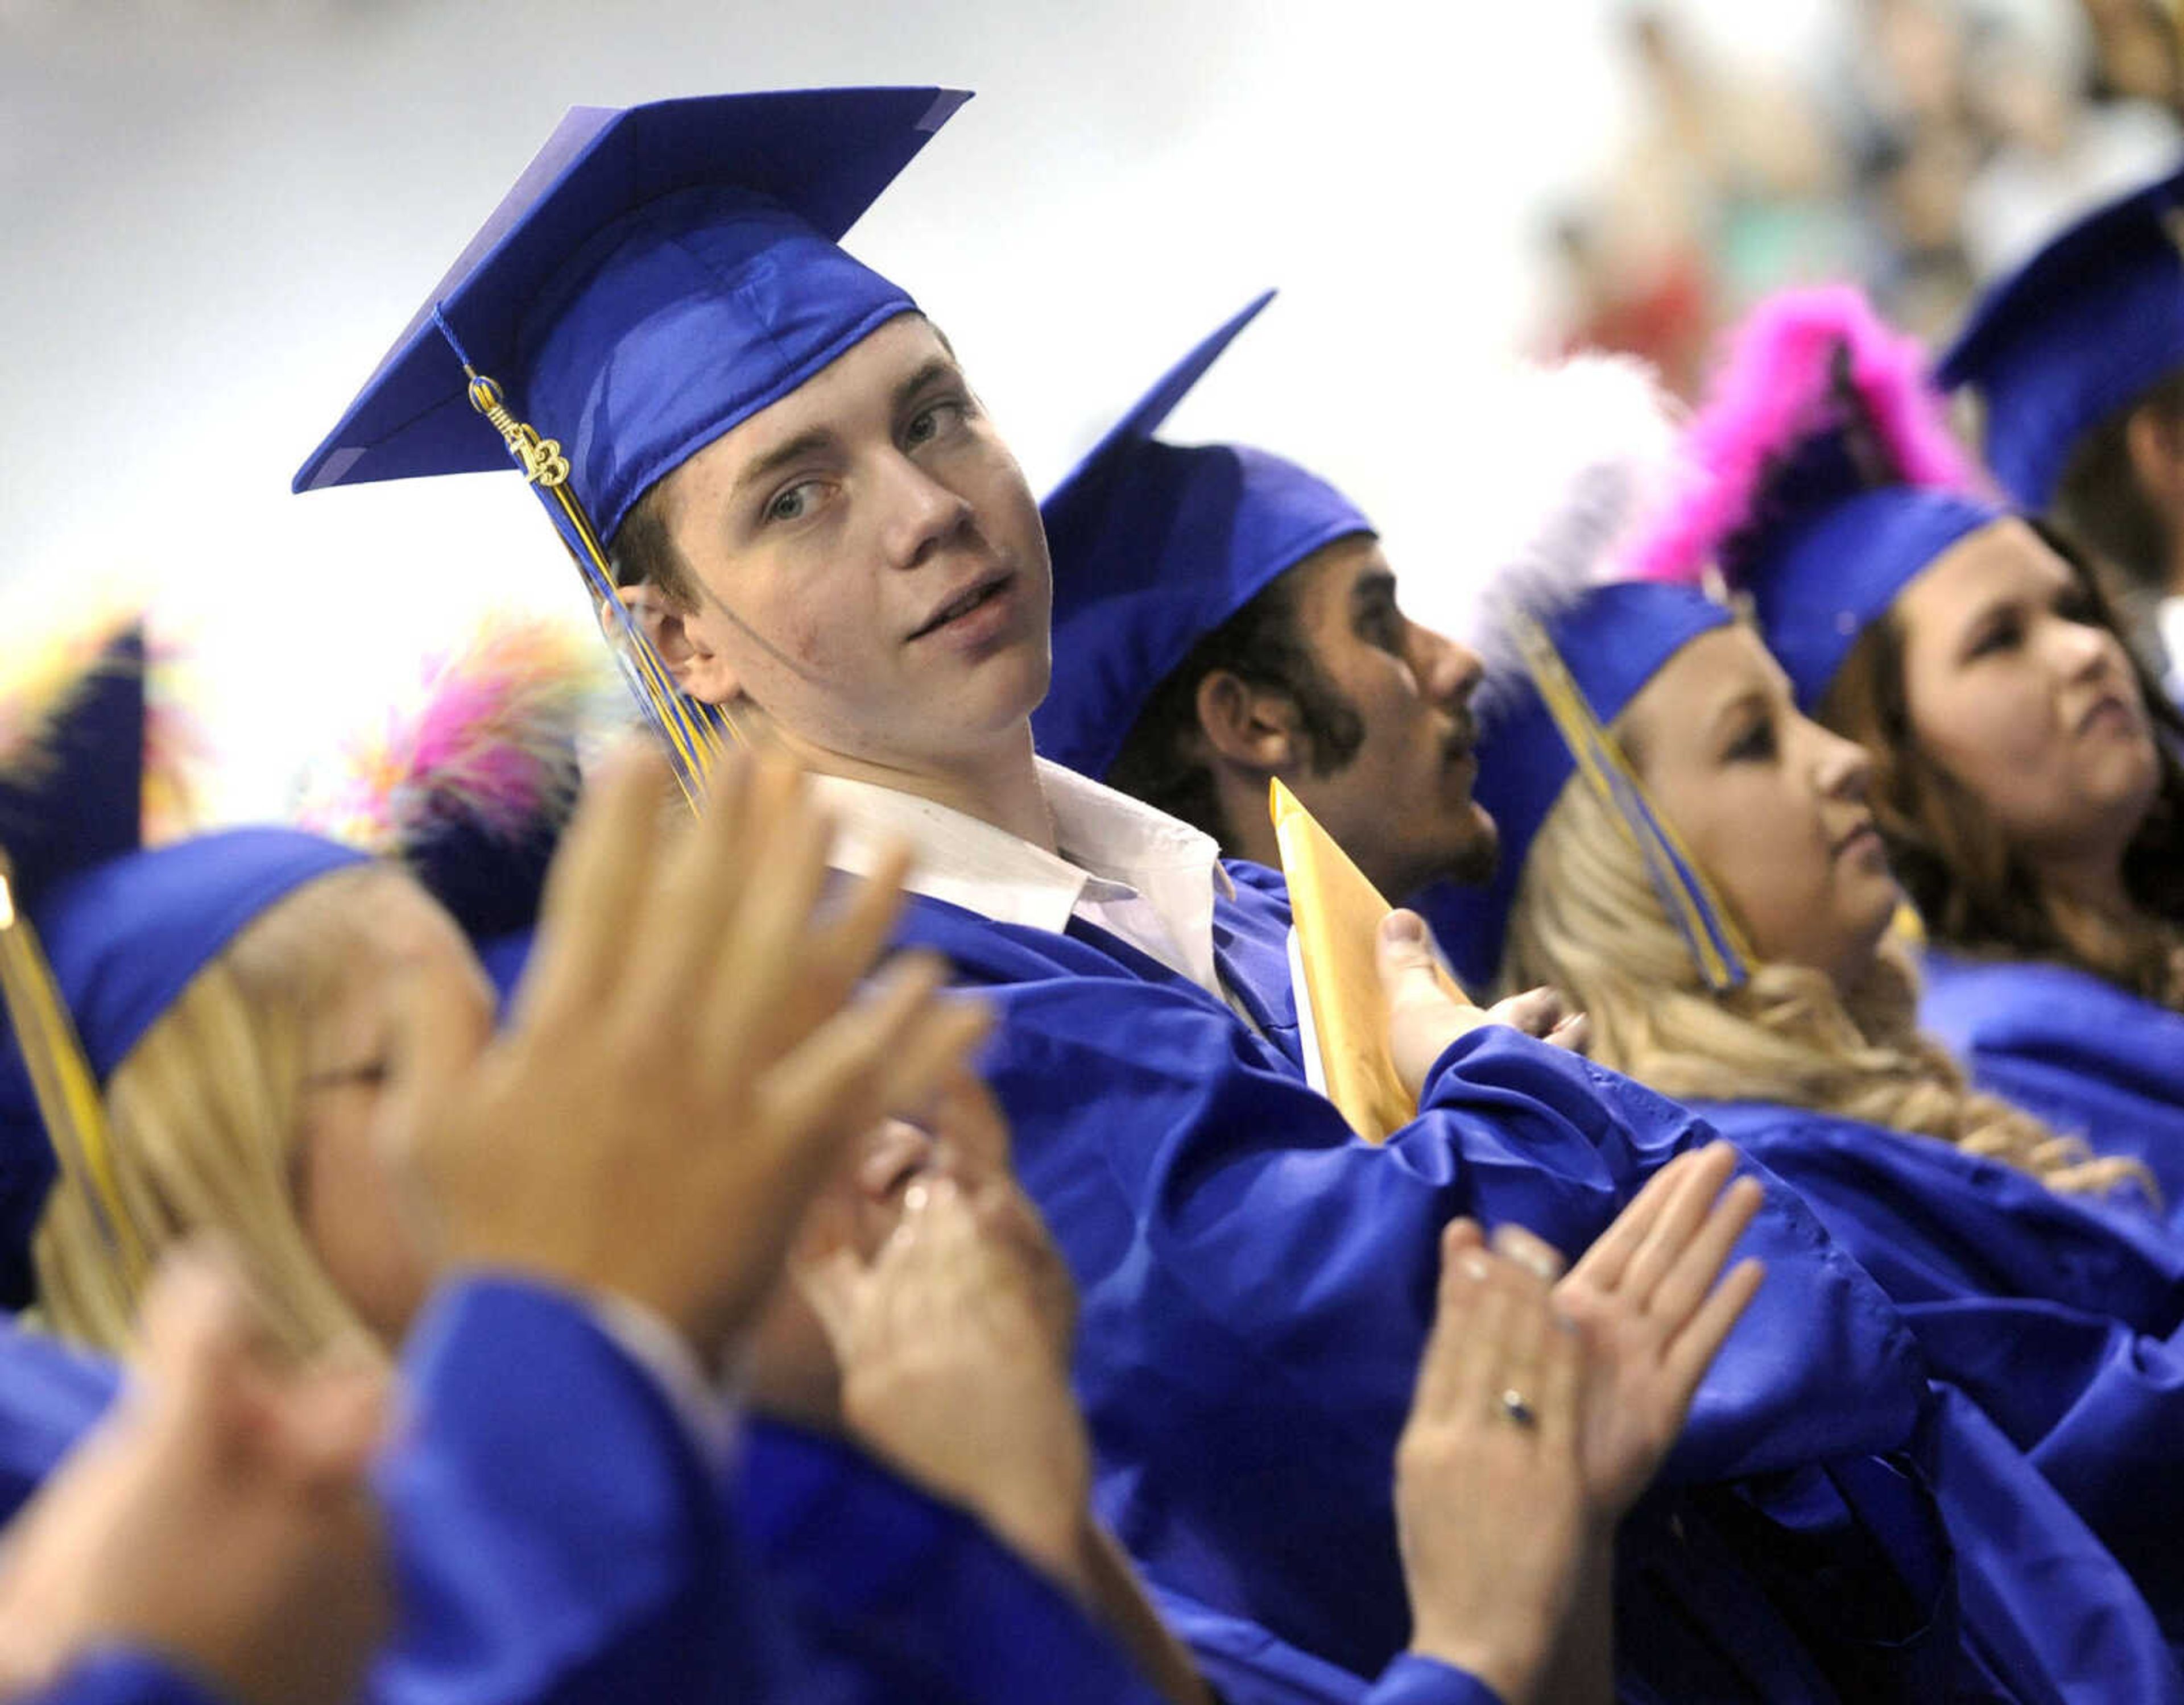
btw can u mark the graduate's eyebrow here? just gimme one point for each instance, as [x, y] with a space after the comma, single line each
[937, 367]
[802, 445]
[820, 438]
[1744, 696]
[1374, 586]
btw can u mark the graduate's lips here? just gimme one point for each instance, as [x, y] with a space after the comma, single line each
[2111, 711]
[968, 601]
[1863, 834]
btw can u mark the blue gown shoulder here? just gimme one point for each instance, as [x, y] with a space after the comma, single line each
[2094, 1060]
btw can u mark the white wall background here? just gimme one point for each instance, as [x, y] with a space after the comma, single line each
[216, 215]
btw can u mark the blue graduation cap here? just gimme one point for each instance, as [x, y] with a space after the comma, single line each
[98, 937]
[1582, 669]
[1566, 649]
[657, 275]
[1822, 479]
[1154, 545]
[2078, 333]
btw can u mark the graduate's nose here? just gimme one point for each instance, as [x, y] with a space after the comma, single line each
[1448, 673]
[1844, 768]
[921, 515]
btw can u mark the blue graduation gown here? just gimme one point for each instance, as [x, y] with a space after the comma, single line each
[1257, 1283]
[1245, 1665]
[2090, 1058]
[557, 1536]
[557, 1533]
[901, 1599]
[2062, 1320]
[49, 1397]
[122, 1677]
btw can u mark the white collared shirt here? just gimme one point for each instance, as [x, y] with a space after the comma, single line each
[1124, 867]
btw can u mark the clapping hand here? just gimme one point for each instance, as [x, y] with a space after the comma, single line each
[689, 1054]
[220, 1516]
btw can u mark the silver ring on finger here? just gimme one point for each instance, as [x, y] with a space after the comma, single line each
[1517, 1411]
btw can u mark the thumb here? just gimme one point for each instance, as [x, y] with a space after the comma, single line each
[1405, 957]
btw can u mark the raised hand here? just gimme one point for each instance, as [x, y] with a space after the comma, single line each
[1644, 1297]
[955, 1367]
[688, 1058]
[219, 1518]
[1501, 1549]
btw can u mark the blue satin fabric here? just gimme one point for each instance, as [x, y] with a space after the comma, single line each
[558, 1537]
[2090, 1058]
[2064, 1320]
[49, 1397]
[899, 1598]
[1245, 1665]
[1257, 1283]
[120, 1677]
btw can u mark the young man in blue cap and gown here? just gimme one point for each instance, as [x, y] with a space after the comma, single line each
[2076, 363]
[558, 1511]
[786, 498]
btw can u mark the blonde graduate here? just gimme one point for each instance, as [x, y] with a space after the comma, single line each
[1708, 884]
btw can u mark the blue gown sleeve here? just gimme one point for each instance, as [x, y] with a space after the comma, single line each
[2048, 1611]
[1244, 1664]
[557, 1536]
[50, 1396]
[905, 1599]
[1257, 1282]
[2064, 1324]
[116, 1676]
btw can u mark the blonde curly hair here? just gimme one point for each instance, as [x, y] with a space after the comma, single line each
[1586, 920]
[205, 1116]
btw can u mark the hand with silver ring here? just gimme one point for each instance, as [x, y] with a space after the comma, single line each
[1506, 1570]
[1517, 1410]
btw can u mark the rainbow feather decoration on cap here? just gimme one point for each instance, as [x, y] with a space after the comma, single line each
[1805, 364]
[471, 781]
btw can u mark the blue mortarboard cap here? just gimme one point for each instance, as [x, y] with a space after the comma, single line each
[1830, 552]
[1822, 478]
[658, 274]
[2080, 332]
[1612, 640]
[124, 928]
[1154, 546]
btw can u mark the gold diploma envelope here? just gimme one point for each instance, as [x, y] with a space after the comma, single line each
[1336, 914]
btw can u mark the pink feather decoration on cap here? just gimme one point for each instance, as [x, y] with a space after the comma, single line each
[492, 739]
[1776, 388]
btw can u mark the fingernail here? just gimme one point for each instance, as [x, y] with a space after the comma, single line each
[1403, 928]
[1474, 1266]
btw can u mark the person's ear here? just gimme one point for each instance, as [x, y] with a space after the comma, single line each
[1251, 727]
[2153, 441]
[698, 667]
